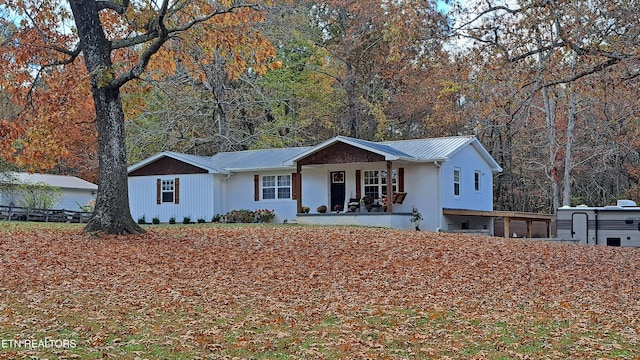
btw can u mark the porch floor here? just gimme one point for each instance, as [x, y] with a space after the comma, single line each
[397, 220]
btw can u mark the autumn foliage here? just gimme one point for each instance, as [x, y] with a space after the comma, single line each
[303, 292]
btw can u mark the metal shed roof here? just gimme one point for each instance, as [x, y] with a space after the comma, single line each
[61, 181]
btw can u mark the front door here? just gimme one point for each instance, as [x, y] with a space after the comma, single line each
[338, 190]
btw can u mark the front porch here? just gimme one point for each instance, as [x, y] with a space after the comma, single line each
[398, 220]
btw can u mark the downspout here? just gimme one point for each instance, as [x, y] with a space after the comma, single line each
[439, 166]
[223, 202]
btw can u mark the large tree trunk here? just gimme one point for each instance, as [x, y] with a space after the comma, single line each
[112, 213]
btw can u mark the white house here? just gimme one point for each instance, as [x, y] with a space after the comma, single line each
[435, 176]
[76, 192]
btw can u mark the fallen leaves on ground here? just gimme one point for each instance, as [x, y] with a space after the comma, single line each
[294, 292]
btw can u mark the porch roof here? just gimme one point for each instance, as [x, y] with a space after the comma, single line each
[415, 150]
[382, 149]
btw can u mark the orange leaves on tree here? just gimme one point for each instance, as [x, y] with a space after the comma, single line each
[232, 34]
[56, 122]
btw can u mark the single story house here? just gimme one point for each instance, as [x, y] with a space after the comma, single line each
[342, 173]
[76, 192]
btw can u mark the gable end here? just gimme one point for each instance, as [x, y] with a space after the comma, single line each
[167, 166]
[340, 153]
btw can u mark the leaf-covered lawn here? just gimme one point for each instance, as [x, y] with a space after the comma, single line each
[292, 292]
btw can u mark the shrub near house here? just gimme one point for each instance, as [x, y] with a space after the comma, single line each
[248, 216]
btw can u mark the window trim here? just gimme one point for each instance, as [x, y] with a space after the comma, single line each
[168, 186]
[476, 180]
[380, 181]
[457, 177]
[278, 180]
[160, 190]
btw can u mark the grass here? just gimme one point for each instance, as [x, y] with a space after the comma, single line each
[295, 292]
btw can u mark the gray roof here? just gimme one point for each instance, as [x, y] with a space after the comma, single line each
[61, 181]
[256, 159]
[379, 147]
[418, 150]
[204, 162]
[431, 149]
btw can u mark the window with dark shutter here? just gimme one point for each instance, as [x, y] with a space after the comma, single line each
[294, 186]
[176, 190]
[256, 187]
[158, 191]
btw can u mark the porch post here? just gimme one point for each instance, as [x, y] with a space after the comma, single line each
[298, 186]
[505, 225]
[389, 187]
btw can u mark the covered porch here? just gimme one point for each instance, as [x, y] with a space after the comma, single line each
[345, 176]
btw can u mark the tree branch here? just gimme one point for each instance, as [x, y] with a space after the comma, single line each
[495, 8]
[159, 34]
[105, 4]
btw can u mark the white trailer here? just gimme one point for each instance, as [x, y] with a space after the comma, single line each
[617, 225]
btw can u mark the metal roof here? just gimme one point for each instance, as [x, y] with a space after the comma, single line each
[417, 150]
[204, 162]
[61, 181]
[431, 149]
[379, 147]
[256, 159]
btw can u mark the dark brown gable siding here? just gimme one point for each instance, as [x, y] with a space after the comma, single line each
[167, 166]
[340, 153]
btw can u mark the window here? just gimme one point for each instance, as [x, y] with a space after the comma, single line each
[276, 187]
[456, 181]
[476, 180]
[375, 183]
[167, 190]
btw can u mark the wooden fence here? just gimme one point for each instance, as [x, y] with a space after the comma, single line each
[16, 213]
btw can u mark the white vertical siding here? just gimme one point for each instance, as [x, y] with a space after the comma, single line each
[315, 187]
[239, 194]
[468, 161]
[197, 197]
[72, 199]
[423, 188]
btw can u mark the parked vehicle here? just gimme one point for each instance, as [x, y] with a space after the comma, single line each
[617, 225]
